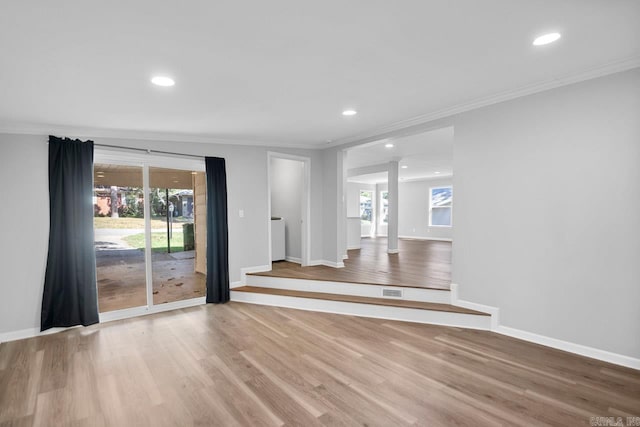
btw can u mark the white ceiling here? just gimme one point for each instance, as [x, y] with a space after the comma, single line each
[282, 71]
[425, 155]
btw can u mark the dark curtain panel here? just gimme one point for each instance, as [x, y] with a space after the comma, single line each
[70, 295]
[217, 232]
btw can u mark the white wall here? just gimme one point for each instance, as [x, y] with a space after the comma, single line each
[353, 199]
[413, 216]
[287, 179]
[24, 165]
[547, 212]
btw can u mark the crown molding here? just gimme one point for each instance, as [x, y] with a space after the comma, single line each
[401, 127]
[91, 133]
[408, 126]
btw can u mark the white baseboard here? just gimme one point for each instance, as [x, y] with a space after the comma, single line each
[583, 350]
[293, 259]
[439, 239]
[28, 333]
[327, 263]
[393, 251]
[353, 247]
[254, 269]
[235, 284]
[106, 317]
[494, 311]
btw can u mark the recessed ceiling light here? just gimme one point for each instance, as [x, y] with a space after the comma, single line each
[436, 172]
[389, 145]
[349, 112]
[163, 81]
[404, 166]
[546, 39]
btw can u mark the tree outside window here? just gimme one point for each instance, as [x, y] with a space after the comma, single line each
[440, 206]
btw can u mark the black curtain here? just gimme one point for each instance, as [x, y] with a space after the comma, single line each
[217, 231]
[70, 295]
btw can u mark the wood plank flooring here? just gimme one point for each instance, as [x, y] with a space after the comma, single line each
[362, 300]
[250, 365]
[419, 264]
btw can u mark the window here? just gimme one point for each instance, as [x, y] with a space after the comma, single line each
[366, 207]
[440, 206]
[384, 207]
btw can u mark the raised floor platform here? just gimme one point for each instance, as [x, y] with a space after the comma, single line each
[419, 263]
[411, 286]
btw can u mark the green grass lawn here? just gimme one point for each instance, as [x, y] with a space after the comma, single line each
[156, 223]
[158, 241]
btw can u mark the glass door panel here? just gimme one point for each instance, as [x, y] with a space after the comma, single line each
[119, 230]
[178, 210]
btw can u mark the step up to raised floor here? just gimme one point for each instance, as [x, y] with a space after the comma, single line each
[370, 290]
[386, 308]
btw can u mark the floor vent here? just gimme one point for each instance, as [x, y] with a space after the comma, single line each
[396, 293]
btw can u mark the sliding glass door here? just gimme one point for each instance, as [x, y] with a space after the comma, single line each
[176, 276]
[119, 229]
[150, 230]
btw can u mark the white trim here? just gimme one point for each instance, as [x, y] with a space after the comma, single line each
[352, 248]
[254, 269]
[393, 251]
[107, 317]
[26, 128]
[439, 239]
[327, 263]
[29, 333]
[445, 318]
[293, 259]
[305, 201]
[402, 127]
[345, 288]
[118, 156]
[494, 311]
[431, 207]
[235, 284]
[110, 316]
[583, 350]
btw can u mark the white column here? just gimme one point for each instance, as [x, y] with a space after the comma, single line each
[392, 224]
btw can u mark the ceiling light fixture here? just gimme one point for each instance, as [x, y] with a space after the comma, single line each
[546, 39]
[389, 145]
[163, 81]
[404, 166]
[436, 172]
[349, 112]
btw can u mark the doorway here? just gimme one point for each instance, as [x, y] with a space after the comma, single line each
[150, 228]
[289, 208]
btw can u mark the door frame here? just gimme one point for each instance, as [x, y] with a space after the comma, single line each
[305, 229]
[125, 157]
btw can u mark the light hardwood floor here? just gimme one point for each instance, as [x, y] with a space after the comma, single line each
[242, 364]
[420, 264]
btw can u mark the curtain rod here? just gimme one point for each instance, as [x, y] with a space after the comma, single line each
[148, 150]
